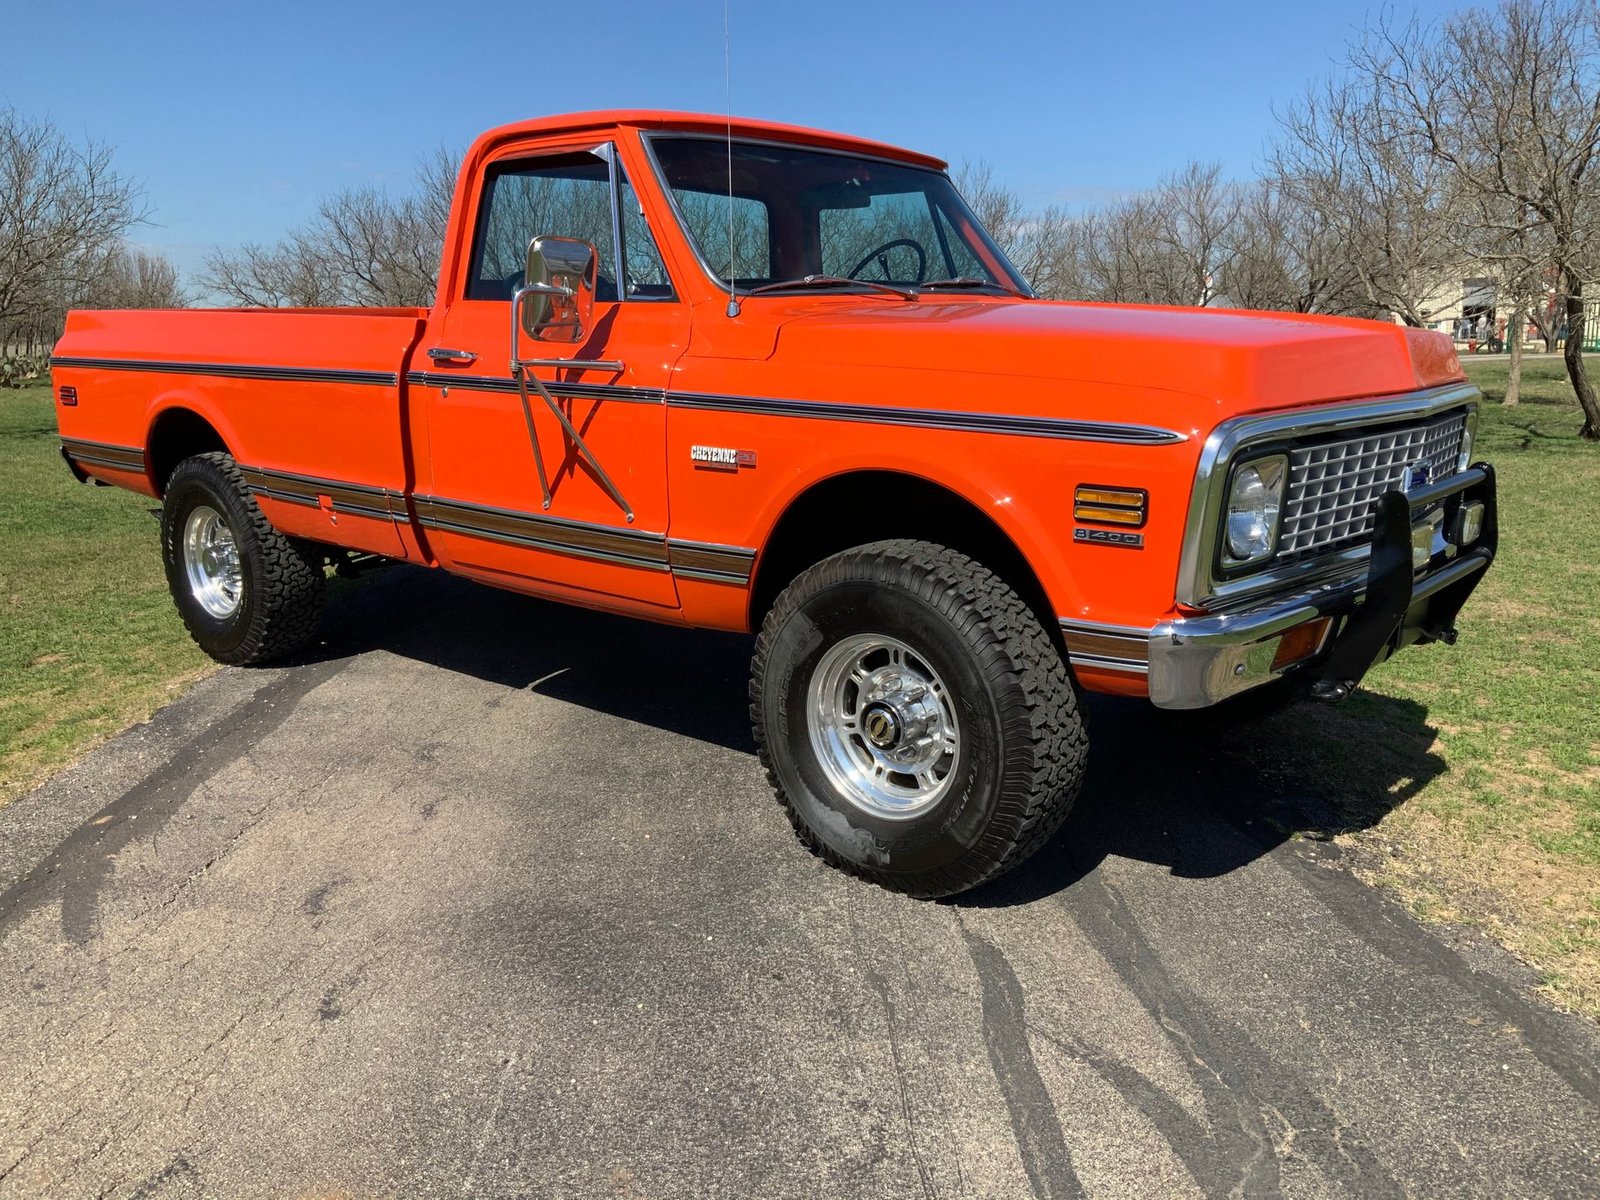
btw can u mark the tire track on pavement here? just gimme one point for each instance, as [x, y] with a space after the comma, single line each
[1034, 1122]
[1243, 1088]
[79, 866]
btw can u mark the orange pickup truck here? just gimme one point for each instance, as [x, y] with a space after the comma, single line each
[757, 377]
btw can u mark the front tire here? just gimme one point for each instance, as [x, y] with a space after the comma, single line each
[247, 593]
[916, 721]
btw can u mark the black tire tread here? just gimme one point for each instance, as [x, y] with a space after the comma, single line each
[1024, 665]
[290, 585]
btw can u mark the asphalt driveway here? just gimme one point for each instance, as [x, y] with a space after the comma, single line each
[489, 898]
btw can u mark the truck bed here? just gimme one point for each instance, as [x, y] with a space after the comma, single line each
[300, 396]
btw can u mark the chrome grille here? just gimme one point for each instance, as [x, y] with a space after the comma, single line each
[1334, 485]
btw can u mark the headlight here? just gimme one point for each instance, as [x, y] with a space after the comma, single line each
[1465, 460]
[1255, 502]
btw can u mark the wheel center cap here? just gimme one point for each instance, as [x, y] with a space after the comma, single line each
[881, 726]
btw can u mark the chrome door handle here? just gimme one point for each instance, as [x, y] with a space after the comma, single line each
[443, 354]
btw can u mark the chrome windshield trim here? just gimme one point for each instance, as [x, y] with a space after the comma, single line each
[608, 151]
[1196, 585]
[647, 139]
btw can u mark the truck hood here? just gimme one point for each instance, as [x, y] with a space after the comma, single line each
[1240, 361]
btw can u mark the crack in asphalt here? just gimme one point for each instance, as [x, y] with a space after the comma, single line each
[901, 1083]
[179, 1169]
[880, 985]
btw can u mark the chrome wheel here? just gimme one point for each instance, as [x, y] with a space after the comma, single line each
[883, 726]
[211, 562]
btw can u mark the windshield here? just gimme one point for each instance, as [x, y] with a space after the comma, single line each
[835, 217]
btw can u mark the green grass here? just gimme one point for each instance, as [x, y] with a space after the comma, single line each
[1468, 777]
[1544, 380]
[89, 640]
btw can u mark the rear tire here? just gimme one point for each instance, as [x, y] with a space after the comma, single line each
[247, 593]
[915, 719]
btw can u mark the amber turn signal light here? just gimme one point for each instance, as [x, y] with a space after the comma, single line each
[1097, 505]
[1301, 642]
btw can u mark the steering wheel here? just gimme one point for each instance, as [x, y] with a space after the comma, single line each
[881, 256]
[602, 286]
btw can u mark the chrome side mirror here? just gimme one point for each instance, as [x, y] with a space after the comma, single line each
[556, 301]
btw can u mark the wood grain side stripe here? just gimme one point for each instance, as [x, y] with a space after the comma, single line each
[105, 454]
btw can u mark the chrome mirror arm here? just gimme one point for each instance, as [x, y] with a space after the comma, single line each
[522, 372]
[517, 298]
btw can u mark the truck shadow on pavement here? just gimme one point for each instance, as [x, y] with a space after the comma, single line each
[1198, 794]
[1203, 796]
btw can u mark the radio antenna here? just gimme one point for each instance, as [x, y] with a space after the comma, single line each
[727, 78]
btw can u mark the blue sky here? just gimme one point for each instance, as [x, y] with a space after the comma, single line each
[237, 117]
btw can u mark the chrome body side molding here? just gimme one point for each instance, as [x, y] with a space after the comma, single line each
[932, 418]
[353, 499]
[567, 389]
[707, 562]
[711, 562]
[823, 410]
[234, 370]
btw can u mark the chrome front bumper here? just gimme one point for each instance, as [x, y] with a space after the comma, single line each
[1195, 662]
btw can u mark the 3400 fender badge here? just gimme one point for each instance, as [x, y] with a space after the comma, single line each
[1109, 537]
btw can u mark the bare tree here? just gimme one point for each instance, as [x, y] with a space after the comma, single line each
[435, 192]
[1171, 245]
[382, 250]
[1286, 257]
[1360, 171]
[1545, 314]
[1050, 254]
[291, 274]
[1507, 103]
[363, 247]
[130, 277]
[62, 208]
[998, 208]
[1521, 261]
[1121, 255]
[1041, 245]
[1198, 216]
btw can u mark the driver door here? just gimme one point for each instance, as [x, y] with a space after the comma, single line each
[481, 504]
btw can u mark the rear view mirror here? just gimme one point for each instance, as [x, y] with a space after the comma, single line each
[556, 299]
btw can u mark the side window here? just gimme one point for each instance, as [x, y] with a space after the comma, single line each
[568, 196]
[647, 274]
[705, 214]
[850, 234]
